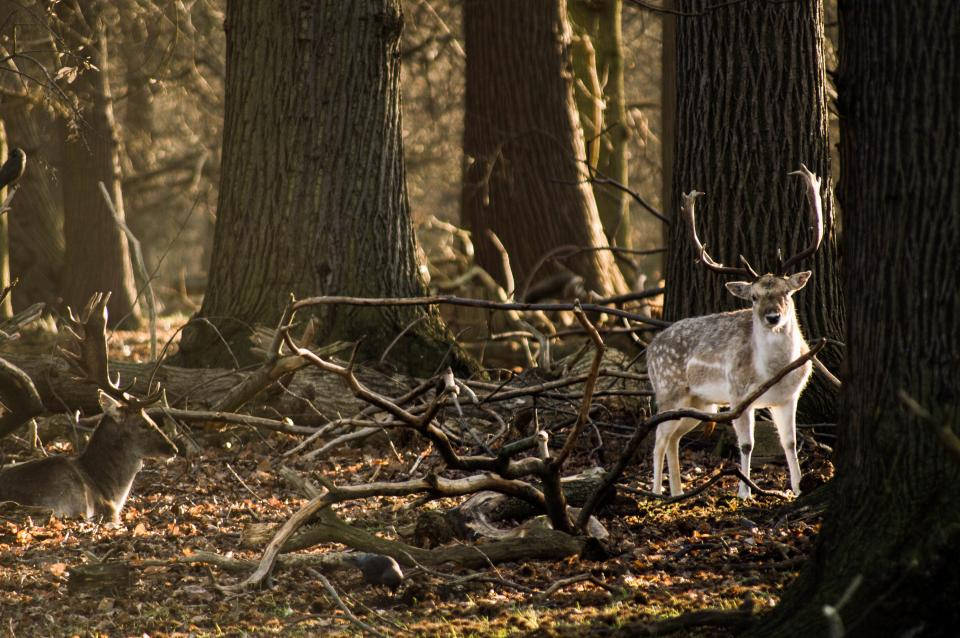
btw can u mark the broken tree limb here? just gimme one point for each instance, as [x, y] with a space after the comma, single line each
[538, 544]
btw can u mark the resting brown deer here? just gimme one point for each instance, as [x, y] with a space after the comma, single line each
[95, 483]
[719, 359]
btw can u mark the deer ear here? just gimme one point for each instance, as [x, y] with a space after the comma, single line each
[739, 289]
[109, 405]
[799, 280]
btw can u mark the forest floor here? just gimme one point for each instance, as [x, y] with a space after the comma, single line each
[711, 551]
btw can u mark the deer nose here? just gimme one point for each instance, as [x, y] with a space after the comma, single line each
[773, 318]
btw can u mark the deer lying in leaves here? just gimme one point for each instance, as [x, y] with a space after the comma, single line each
[719, 359]
[96, 483]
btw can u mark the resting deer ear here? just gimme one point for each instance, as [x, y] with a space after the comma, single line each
[109, 405]
[799, 280]
[739, 289]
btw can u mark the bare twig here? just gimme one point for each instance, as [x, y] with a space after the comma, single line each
[141, 268]
[713, 480]
[342, 605]
[573, 580]
[589, 385]
[475, 303]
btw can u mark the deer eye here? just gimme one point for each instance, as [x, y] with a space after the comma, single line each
[753, 297]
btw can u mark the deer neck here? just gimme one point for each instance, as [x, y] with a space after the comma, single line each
[776, 348]
[110, 465]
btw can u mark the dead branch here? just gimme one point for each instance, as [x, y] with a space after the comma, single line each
[713, 480]
[649, 424]
[453, 300]
[342, 605]
[573, 580]
[230, 417]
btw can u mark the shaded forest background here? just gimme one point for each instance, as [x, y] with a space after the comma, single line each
[166, 72]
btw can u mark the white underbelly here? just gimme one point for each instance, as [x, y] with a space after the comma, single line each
[717, 391]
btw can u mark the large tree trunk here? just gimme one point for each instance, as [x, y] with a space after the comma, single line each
[894, 519]
[36, 221]
[751, 106]
[599, 93]
[97, 256]
[524, 178]
[313, 195]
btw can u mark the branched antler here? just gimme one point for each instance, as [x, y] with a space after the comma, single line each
[90, 362]
[815, 211]
[689, 201]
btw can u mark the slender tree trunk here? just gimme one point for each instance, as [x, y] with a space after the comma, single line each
[668, 112]
[6, 306]
[524, 177]
[894, 521]
[97, 256]
[751, 106]
[313, 196]
[599, 93]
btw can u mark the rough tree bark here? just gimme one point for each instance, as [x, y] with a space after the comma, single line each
[97, 256]
[894, 519]
[524, 177]
[599, 93]
[751, 106]
[313, 194]
[36, 221]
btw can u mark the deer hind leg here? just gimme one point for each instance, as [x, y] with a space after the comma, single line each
[785, 416]
[667, 443]
[743, 426]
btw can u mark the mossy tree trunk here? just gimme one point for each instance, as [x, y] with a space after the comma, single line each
[751, 106]
[524, 177]
[313, 196]
[97, 257]
[599, 94]
[894, 520]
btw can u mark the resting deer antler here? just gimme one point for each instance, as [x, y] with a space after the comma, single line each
[815, 211]
[91, 362]
[689, 201]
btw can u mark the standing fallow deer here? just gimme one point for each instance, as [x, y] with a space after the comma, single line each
[97, 482]
[719, 359]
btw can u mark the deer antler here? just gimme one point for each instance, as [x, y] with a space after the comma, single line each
[815, 211]
[90, 362]
[689, 201]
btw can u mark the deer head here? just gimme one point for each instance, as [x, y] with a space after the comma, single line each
[139, 433]
[770, 294]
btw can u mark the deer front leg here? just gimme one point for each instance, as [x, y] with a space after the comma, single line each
[744, 429]
[785, 416]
